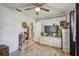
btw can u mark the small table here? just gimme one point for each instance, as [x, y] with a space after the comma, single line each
[4, 50]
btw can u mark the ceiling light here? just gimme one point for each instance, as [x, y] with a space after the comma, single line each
[37, 9]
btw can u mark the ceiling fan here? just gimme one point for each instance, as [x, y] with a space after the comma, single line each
[37, 7]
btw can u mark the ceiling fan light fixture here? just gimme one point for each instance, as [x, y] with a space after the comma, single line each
[37, 9]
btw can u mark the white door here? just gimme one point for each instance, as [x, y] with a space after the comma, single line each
[37, 31]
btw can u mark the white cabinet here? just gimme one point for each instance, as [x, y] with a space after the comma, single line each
[51, 41]
[45, 40]
[41, 40]
[57, 42]
[66, 39]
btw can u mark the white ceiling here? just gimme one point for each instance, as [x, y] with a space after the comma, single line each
[56, 9]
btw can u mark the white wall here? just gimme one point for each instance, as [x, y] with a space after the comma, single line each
[53, 20]
[10, 26]
[0, 28]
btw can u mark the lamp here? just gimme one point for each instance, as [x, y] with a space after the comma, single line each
[37, 9]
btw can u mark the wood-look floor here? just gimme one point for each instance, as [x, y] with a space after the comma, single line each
[39, 50]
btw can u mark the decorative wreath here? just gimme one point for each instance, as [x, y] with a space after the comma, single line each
[24, 25]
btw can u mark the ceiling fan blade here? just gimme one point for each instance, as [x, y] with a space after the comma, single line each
[42, 4]
[18, 10]
[45, 9]
[38, 4]
[28, 9]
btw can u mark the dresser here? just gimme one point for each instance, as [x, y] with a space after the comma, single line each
[4, 50]
[66, 39]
